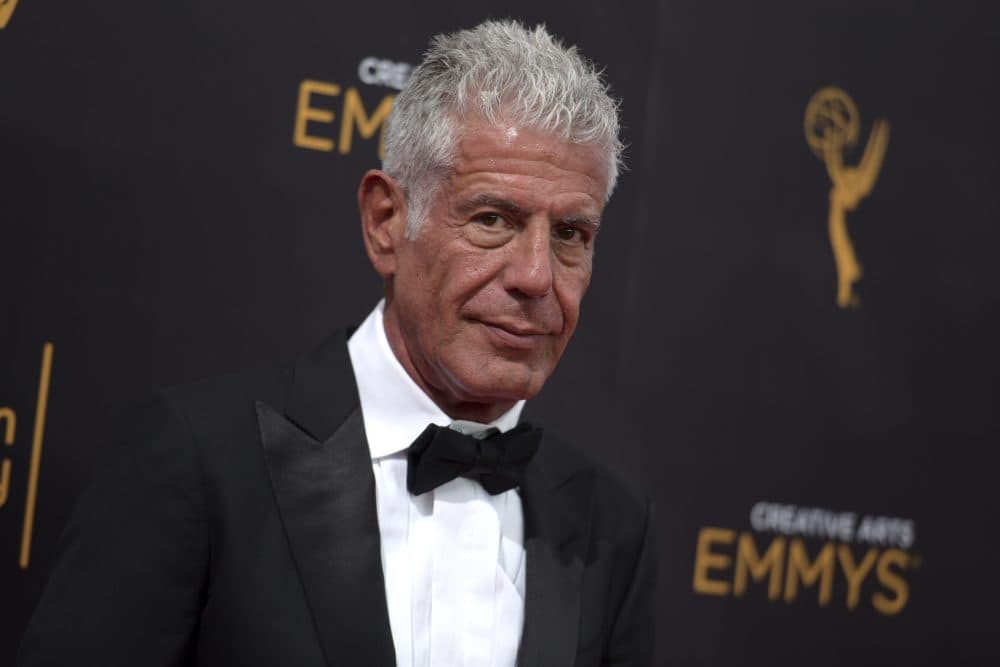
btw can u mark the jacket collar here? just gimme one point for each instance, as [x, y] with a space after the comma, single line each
[321, 474]
[557, 498]
[323, 393]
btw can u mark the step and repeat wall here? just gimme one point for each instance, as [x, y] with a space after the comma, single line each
[790, 340]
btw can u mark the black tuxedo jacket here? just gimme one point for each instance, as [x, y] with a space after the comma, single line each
[236, 525]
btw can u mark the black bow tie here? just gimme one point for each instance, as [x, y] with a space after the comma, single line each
[497, 461]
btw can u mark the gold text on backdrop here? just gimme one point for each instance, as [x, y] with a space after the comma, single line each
[846, 557]
[9, 420]
[316, 104]
[6, 11]
[832, 123]
[41, 409]
[353, 117]
[8, 430]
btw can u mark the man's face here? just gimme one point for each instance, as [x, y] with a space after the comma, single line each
[485, 297]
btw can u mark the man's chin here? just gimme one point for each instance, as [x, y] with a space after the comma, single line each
[506, 384]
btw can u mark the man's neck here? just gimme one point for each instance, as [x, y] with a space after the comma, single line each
[482, 412]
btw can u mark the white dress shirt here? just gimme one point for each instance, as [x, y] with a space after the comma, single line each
[453, 558]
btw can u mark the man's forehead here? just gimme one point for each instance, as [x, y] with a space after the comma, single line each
[513, 152]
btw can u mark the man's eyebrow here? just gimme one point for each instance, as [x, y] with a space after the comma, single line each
[574, 221]
[491, 201]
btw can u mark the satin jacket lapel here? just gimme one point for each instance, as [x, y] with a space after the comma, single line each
[557, 501]
[321, 473]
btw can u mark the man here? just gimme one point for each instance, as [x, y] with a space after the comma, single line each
[285, 519]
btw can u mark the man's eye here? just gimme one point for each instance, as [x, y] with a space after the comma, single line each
[490, 219]
[568, 234]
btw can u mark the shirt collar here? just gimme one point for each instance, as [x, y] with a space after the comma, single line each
[395, 410]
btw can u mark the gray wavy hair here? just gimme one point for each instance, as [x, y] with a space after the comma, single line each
[500, 71]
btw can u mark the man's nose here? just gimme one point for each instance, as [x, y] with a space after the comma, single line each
[529, 268]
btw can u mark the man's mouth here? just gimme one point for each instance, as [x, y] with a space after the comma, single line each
[516, 335]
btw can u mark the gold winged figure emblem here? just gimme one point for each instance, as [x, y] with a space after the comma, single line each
[6, 11]
[832, 123]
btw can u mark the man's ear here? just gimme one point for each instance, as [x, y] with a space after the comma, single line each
[382, 205]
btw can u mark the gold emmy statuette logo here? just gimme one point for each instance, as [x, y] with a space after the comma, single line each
[6, 11]
[832, 123]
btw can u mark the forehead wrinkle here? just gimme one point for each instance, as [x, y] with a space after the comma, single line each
[518, 180]
[563, 157]
[530, 174]
[580, 207]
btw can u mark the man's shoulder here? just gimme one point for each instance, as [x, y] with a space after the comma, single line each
[234, 396]
[219, 413]
[216, 398]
